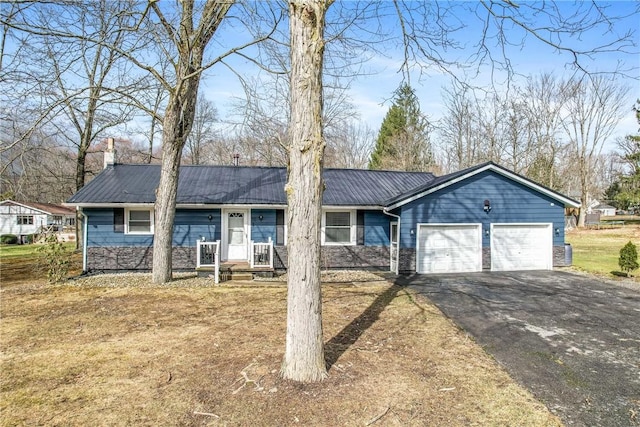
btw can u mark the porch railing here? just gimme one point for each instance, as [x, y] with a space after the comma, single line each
[262, 254]
[208, 255]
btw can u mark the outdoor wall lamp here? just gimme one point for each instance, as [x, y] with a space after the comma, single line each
[487, 206]
[557, 230]
[260, 217]
[210, 217]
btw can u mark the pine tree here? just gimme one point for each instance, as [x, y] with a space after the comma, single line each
[404, 139]
[628, 260]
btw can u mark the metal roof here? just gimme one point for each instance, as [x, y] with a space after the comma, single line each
[131, 184]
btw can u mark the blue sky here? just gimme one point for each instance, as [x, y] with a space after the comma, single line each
[369, 93]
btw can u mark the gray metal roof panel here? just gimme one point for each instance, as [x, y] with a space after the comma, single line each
[245, 185]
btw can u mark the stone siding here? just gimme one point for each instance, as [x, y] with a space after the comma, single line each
[136, 258]
[333, 257]
[337, 257]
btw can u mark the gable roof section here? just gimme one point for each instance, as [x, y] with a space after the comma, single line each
[447, 180]
[45, 208]
[217, 185]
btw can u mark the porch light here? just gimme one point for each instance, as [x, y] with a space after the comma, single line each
[487, 206]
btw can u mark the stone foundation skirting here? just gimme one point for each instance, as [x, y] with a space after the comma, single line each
[337, 257]
[125, 258]
[333, 257]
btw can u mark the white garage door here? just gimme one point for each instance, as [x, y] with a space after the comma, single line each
[521, 247]
[449, 248]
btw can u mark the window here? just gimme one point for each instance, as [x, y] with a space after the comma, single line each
[338, 227]
[25, 219]
[139, 221]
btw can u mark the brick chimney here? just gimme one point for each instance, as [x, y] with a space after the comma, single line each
[110, 154]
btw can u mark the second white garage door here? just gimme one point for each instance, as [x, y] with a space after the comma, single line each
[449, 248]
[521, 247]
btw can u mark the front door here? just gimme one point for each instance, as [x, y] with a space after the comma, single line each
[236, 235]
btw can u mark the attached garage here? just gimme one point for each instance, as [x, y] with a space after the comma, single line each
[449, 248]
[521, 247]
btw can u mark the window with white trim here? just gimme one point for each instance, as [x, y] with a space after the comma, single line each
[25, 219]
[139, 221]
[338, 228]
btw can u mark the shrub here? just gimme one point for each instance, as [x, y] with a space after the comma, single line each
[55, 258]
[8, 239]
[628, 260]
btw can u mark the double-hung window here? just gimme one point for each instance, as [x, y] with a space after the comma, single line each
[338, 227]
[139, 221]
[25, 219]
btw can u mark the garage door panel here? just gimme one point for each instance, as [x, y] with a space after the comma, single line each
[449, 248]
[521, 247]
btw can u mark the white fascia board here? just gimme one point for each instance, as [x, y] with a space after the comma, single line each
[350, 208]
[527, 183]
[29, 207]
[228, 206]
[178, 206]
[110, 205]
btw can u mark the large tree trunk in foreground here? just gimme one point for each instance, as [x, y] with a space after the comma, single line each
[304, 352]
[178, 118]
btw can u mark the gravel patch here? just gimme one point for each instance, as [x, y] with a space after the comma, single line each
[191, 280]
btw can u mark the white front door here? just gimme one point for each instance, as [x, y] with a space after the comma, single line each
[236, 234]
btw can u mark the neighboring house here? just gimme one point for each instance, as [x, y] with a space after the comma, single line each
[604, 210]
[484, 217]
[24, 219]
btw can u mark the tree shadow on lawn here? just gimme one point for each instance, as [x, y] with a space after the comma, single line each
[340, 343]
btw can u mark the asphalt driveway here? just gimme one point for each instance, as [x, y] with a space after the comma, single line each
[573, 341]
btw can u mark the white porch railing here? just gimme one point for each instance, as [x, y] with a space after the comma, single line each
[208, 255]
[262, 254]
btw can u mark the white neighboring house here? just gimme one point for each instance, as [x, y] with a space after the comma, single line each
[23, 219]
[604, 210]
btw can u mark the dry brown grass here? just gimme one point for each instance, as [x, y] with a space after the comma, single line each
[102, 355]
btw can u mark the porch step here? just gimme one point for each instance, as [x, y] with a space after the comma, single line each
[240, 276]
[236, 271]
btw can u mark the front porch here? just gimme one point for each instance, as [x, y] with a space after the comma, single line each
[260, 262]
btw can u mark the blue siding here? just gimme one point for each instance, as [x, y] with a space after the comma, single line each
[463, 202]
[100, 231]
[189, 226]
[376, 228]
[265, 228]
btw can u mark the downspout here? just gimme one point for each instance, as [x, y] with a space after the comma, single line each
[386, 212]
[85, 235]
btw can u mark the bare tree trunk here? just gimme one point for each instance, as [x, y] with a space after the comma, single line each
[178, 119]
[304, 353]
[166, 193]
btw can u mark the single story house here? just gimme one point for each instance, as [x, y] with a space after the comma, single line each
[604, 209]
[27, 218]
[483, 217]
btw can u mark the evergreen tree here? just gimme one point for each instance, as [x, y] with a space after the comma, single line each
[628, 260]
[404, 139]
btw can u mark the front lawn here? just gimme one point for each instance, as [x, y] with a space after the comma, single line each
[116, 350]
[30, 250]
[597, 251]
